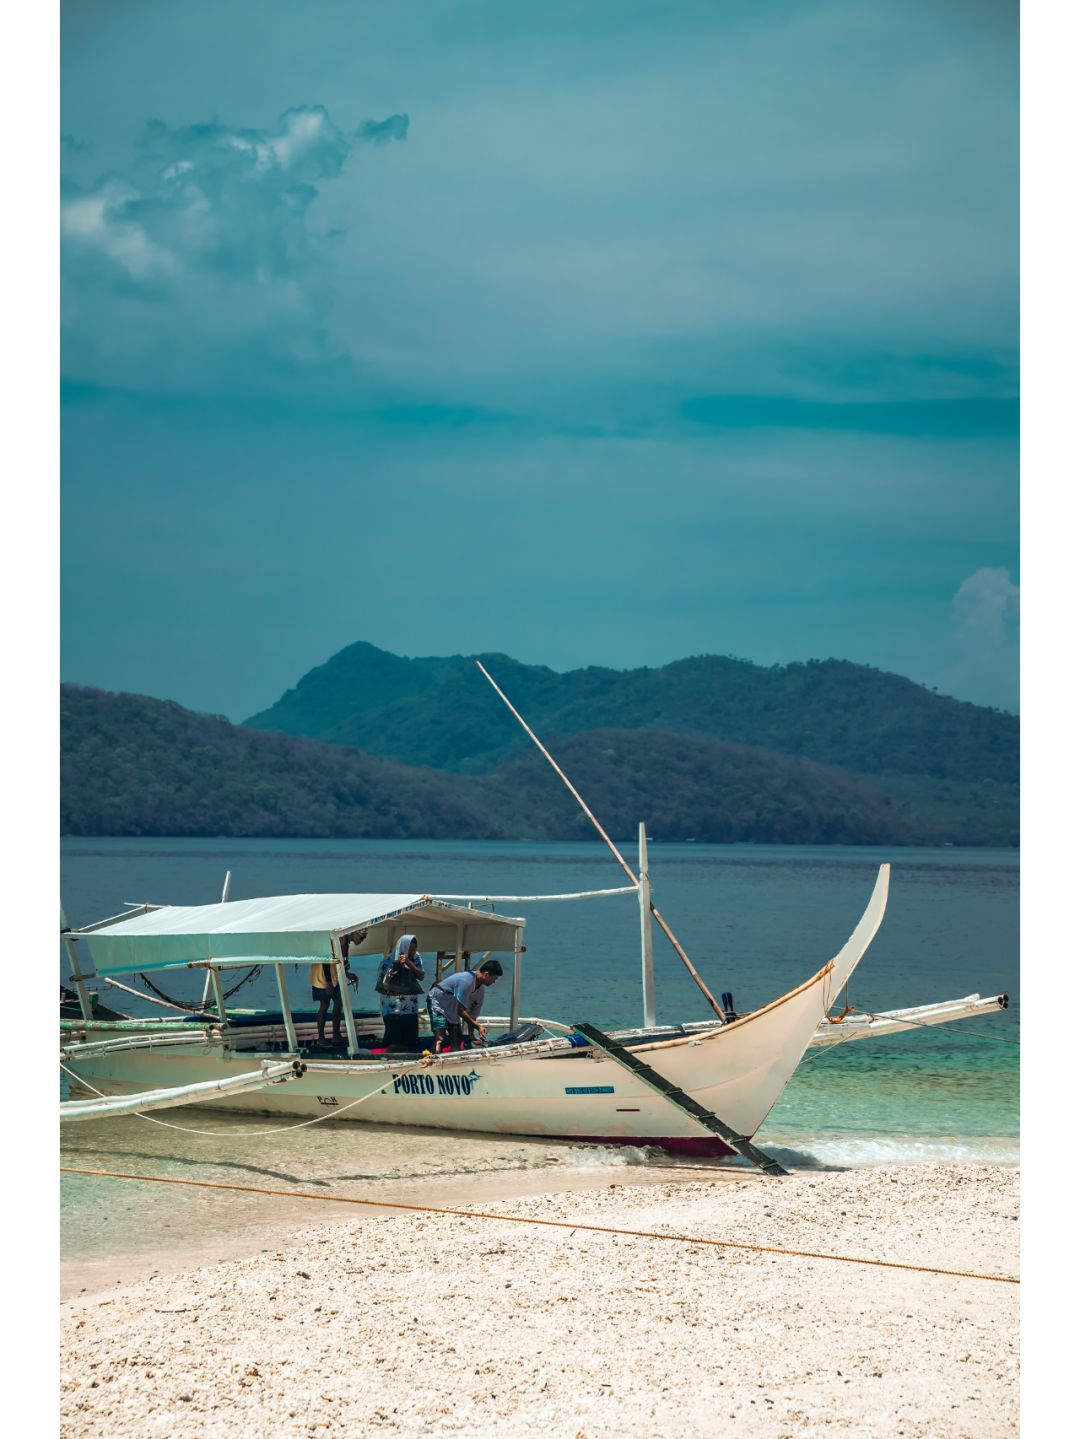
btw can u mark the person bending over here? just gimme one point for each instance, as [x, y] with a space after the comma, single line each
[454, 1004]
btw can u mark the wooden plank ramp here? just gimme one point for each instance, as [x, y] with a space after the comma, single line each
[679, 1098]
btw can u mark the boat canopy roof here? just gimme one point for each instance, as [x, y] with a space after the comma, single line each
[289, 927]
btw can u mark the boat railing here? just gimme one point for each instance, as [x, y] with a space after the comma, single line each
[497, 1053]
[502, 1021]
[125, 1043]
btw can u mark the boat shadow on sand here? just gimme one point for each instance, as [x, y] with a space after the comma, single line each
[800, 1159]
[646, 1157]
[184, 1162]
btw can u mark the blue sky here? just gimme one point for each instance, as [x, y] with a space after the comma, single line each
[595, 334]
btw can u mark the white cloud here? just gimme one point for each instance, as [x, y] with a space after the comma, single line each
[986, 608]
[98, 222]
[199, 260]
[984, 640]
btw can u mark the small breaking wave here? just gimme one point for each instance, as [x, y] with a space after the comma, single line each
[613, 1156]
[849, 1151]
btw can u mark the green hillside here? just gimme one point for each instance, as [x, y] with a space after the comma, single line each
[131, 765]
[441, 712]
[692, 787]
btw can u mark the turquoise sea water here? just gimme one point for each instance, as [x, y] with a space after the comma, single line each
[756, 920]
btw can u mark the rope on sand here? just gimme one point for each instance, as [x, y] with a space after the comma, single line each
[549, 1224]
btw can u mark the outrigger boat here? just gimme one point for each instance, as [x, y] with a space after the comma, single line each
[696, 1088]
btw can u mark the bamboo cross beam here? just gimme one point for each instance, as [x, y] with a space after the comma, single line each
[661, 921]
[141, 994]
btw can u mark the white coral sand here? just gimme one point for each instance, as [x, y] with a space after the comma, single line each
[419, 1324]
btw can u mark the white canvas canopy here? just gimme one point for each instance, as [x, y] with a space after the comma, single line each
[293, 927]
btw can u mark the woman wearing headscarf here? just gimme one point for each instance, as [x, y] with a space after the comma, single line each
[401, 1010]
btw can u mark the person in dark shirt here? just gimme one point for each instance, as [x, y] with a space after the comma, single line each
[401, 1012]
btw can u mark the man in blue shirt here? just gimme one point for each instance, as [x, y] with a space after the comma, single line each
[456, 1001]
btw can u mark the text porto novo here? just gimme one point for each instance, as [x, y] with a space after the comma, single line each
[423, 1084]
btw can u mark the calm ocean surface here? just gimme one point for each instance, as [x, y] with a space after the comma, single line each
[755, 920]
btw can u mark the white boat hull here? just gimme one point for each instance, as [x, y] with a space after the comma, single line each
[544, 1089]
[566, 1096]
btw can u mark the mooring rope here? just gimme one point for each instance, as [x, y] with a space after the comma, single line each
[847, 1009]
[548, 1223]
[965, 1033]
[809, 1058]
[236, 1133]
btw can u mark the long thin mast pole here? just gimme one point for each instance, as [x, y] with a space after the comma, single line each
[648, 997]
[610, 844]
[631, 876]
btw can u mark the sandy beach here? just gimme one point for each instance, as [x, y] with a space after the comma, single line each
[418, 1324]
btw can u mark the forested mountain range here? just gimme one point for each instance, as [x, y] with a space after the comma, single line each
[442, 713]
[133, 765]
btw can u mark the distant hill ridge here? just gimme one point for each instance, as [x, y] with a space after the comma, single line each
[441, 713]
[131, 765]
[825, 752]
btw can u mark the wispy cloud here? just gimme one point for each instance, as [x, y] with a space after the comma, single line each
[951, 417]
[381, 132]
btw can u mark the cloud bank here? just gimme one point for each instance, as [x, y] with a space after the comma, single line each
[205, 250]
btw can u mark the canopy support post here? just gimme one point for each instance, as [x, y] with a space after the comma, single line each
[224, 900]
[219, 998]
[77, 977]
[644, 895]
[515, 983]
[346, 1001]
[286, 1009]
